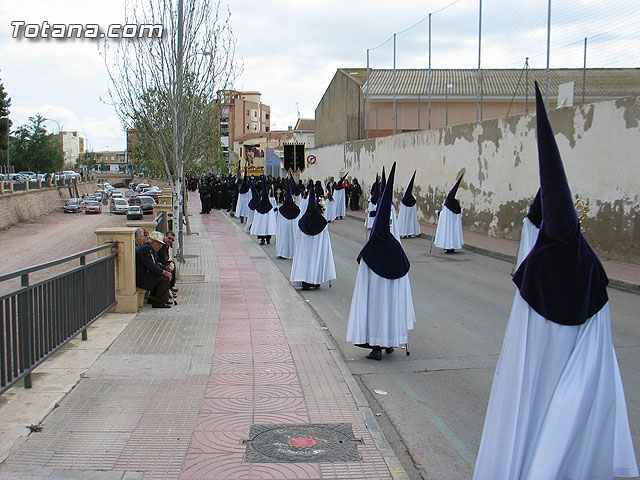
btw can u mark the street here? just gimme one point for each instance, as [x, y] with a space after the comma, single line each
[50, 237]
[435, 401]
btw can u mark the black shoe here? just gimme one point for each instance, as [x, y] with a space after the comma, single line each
[306, 286]
[389, 350]
[150, 300]
[161, 305]
[376, 354]
[241, 219]
[268, 241]
[262, 241]
[449, 250]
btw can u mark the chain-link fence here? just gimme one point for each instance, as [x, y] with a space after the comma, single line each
[451, 52]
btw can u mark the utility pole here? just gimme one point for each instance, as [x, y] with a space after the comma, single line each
[177, 132]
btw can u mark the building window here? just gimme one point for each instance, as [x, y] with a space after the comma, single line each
[266, 116]
[267, 129]
[247, 113]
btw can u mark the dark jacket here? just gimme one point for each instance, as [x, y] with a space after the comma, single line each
[148, 269]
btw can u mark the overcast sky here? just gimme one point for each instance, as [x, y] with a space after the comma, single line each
[290, 49]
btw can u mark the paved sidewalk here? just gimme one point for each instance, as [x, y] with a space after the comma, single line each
[625, 276]
[196, 391]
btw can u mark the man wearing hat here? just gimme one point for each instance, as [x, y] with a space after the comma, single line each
[150, 275]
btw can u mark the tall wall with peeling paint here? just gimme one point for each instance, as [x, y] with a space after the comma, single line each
[599, 144]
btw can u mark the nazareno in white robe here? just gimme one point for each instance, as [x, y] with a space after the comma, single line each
[242, 205]
[368, 221]
[408, 221]
[313, 258]
[264, 223]
[330, 210]
[341, 206]
[528, 239]
[381, 311]
[449, 231]
[286, 233]
[557, 408]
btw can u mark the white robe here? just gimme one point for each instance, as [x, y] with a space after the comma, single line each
[304, 203]
[368, 221]
[273, 201]
[264, 223]
[381, 311]
[449, 231]
[297, 199]
[395, 229]
[528, 239]
[242, 205]
[341, 206]
[251, 214]
[557, 408]
[330, 210]
[408, 221]
[313, 258]
[286, 236]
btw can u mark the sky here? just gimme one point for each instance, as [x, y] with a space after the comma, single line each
[290, 49]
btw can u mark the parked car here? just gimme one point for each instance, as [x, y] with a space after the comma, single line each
[117, 194]
[143, 201]
[140, 186]
[134, 212]
[73, 205]
[92, 207]
[118, 205]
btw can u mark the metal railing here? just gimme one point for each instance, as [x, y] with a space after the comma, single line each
[37, 319]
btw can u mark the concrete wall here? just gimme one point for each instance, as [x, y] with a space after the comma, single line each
[599, 144]
[25, 206]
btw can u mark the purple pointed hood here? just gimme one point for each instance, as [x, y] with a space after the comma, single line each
[535, 211]
[339, 184]
[312, 222]
[562, 278]
[383, 253]
[264, 205]
[451, 202]
[289, 209]
[244, 188]
[408, 199]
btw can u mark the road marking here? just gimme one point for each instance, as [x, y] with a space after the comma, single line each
[437, 422]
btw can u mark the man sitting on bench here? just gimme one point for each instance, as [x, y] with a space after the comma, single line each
[150, 275]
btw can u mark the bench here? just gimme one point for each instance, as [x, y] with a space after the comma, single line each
[142, 296]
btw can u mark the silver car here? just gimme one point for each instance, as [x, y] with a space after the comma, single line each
[119, 205]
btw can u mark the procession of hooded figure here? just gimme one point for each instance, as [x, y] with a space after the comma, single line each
[449, 230]
[557, 407]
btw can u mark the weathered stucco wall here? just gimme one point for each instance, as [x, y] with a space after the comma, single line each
[599, 144]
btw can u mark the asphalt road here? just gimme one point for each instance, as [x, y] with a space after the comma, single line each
[435, 402]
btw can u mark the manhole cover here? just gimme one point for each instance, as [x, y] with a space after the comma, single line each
[320, 443]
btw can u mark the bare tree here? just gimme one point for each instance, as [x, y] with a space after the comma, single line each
[165, 88]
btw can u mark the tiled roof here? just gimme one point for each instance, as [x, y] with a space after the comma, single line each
[305, 124]
[600, 82]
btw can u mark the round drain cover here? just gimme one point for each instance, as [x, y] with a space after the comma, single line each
[302, 444]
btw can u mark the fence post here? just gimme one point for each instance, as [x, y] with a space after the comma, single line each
[125, 265]
[25, 314]
[167, 209]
